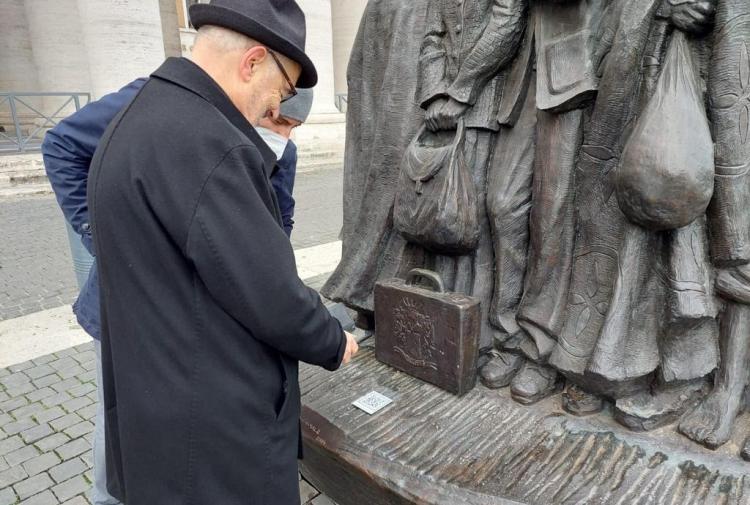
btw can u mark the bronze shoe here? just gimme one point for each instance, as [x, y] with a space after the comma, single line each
[533, 383]
[500, 369]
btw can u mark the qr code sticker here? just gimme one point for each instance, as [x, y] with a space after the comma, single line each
[372, 402]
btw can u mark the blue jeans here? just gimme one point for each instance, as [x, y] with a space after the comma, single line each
[99, 493]
[82, 262]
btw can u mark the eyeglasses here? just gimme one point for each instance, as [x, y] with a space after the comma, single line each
[292, 88]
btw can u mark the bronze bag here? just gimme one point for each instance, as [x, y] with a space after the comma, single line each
[436, 201]
[666, 178]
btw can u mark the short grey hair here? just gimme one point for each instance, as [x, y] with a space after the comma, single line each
[225, 39]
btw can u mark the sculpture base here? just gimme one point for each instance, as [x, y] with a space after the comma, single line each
[430, 447]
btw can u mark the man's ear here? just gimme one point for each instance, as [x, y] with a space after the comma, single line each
[250, 61]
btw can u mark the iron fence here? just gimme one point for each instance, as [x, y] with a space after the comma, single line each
[25, 113]
[342, 101]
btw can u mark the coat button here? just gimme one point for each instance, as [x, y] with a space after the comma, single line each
[286, 387]
[86, 227]
[458, 28]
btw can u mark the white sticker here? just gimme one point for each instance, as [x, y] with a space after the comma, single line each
[372, 402]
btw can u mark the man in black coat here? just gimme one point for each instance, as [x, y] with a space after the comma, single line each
[204, 317]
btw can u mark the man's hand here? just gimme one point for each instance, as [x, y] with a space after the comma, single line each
[351, 348]
[691, 16]
[444, 113]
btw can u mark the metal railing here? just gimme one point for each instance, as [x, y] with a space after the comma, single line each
[24, 113]
[342, 101]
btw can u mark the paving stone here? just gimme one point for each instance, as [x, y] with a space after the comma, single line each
[70, 488]
[88, 458]
[80, 429]
[89, 365]
[78, 500]
[10, 444]
[66, 352]
[3, 465]
[61, 364]
[85, 347]
[88, 412]
[41, 463]
[19, 426]
[32, 485]
[39, 371]
[5, 418]
[66, 373]
[36, 433]
[85, 356]
[68, 470]
[11, 476]
[4, 372]
[47, 380]
[13, 404]
[56, 399]
[306, 491]
[27, 411]
[52, 442]
[45, 498]
[80, 390]
[64, 385]
[4, 396]
[72, 449]
[20, 366]
[39, 394]
[49, 414]
[89, 376]
[66, 421]
[41, 360]
[18, 456]
[7, 496]
[21, 389]
[76, 403]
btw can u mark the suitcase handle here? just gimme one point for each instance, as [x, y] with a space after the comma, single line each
[433, 277]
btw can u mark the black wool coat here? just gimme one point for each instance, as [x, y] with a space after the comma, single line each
[204, 317]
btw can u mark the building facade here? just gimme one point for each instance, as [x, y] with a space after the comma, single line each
[96, 47]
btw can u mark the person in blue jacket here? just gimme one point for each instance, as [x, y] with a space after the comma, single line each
[67, 151]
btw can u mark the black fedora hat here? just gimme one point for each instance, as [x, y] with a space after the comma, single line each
[278, 24]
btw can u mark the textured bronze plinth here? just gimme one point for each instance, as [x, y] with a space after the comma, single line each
[431, 447]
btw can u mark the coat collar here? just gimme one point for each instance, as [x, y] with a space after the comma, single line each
[188, 75]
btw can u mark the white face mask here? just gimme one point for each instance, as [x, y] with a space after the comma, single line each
[276, 142]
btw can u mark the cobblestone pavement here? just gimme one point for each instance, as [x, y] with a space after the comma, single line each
[47, 409]
[35, 265]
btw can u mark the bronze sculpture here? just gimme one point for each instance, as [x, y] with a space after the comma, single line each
[613, 258]
[579, 270]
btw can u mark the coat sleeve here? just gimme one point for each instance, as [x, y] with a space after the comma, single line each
[246, 261]
[67, 151]
[283, 184]
[432, 58]
[495, 48]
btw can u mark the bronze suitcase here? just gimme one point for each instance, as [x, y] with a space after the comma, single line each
[429, 334]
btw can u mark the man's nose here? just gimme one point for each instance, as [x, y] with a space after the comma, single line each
[272, 113]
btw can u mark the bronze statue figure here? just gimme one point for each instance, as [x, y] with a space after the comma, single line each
[607, 145]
